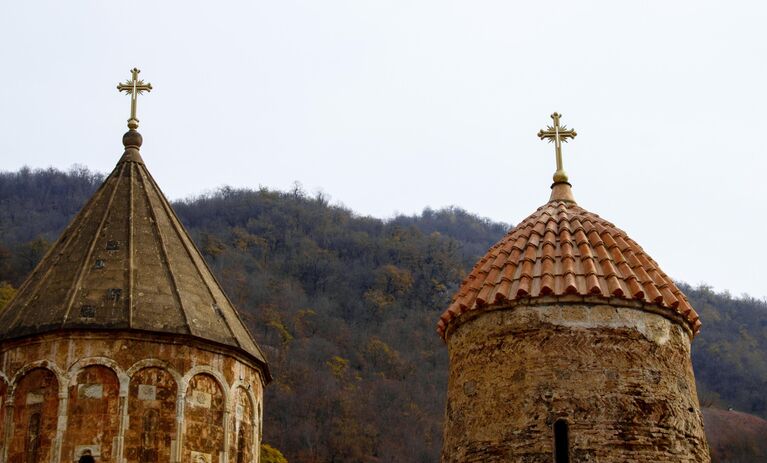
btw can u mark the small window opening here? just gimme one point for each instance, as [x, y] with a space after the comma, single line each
[99, 263]
[218, 310]
[87, 311]
[114, 295]
[33, 438]
[241, 444]
[113, 245]
[561, 442]
[150, 437]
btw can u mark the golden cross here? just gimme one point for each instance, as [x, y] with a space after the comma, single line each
[557, 135]
[134, 88]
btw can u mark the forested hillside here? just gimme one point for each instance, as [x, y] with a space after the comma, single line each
[346, 306]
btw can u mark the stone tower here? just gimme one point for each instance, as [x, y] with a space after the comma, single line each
[122, 343]
[568, 343]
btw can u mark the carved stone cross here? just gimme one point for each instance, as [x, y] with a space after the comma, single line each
[557, 135]
[134, 88]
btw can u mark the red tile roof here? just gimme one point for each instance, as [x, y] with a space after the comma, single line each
[561, 250]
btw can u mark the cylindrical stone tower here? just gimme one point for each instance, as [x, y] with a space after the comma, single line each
[567, 343]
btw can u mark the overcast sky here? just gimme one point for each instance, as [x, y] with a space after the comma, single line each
[392, 106]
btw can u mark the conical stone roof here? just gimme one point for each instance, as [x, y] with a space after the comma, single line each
[126, 263]
[564, 250]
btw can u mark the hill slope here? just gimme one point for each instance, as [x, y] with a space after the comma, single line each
[346, 306]
[735, 437]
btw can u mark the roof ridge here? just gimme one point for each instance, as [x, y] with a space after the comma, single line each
[72, 292]
[65, 239]
[223, 293]
[164, 250]
[175, 224]
[131, 250]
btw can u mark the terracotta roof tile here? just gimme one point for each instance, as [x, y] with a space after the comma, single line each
[562, 249]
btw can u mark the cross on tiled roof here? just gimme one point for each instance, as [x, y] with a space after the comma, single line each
[563, 250]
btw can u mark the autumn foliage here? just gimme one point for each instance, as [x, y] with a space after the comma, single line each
[345, 307]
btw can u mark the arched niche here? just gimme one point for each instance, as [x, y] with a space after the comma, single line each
[204, 407]
[93, 414]
[35, 417]
[151, 433]
[243, 426]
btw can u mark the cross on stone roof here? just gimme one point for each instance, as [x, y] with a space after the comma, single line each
[134, 87]
[557, 135]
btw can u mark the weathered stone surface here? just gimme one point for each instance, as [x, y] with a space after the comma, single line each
[32, 428]
[204, 419]
[98, 403]
[242, 422]
[621, 377]
[93, 413]
[151, 417]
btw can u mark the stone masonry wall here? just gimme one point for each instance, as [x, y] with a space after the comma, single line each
[620, 377]
[125, 397]
[244, 428]
[31, 428]
[151, 431]
[93, 414]
[204, 421]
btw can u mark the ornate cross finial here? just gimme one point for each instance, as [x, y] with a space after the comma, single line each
[557, 135]
[134, 88]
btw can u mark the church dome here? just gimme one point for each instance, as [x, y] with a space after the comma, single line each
[564, 250]
[565, 335]
[122, 345]
[125, 262]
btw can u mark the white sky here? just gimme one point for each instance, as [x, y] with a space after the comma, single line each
[392, 106]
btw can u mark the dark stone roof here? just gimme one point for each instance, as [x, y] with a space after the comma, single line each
[126, 262]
